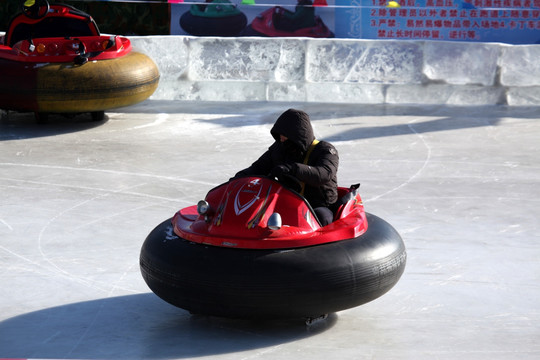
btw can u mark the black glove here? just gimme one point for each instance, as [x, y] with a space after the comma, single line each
[283, 169]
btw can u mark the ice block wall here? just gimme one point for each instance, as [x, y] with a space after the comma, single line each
[344, 70]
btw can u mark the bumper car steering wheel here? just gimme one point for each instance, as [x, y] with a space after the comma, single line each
[35, 9]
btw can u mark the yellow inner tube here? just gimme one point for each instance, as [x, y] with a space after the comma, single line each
[96, 85]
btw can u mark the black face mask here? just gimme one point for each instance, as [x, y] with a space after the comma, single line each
[291, 151]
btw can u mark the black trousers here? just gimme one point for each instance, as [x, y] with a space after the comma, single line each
[325, 215]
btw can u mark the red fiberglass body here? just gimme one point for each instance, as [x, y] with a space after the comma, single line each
[242, 214]
[264, 24]
[58, 33]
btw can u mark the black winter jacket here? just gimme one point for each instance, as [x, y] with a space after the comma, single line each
[320, 172]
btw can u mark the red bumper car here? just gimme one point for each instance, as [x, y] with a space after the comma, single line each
[266, 24]
[54, 60]
[255, 249]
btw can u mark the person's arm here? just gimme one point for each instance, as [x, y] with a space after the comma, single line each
[262, 166]
[320, 172]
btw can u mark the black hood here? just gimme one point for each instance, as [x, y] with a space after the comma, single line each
[295, 125]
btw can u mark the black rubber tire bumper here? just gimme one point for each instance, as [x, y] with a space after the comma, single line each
[213, 26]
[290, 283]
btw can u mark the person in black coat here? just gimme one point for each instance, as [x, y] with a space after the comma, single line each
[296, 152]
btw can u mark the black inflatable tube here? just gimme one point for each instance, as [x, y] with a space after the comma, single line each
[250, 31]
[213, 26]
[295, 283]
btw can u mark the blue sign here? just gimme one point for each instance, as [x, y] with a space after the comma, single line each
[508, 21]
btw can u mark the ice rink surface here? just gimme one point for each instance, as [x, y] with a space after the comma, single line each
[460, 184]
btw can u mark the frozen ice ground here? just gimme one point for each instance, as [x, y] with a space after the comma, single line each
[78, 198]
